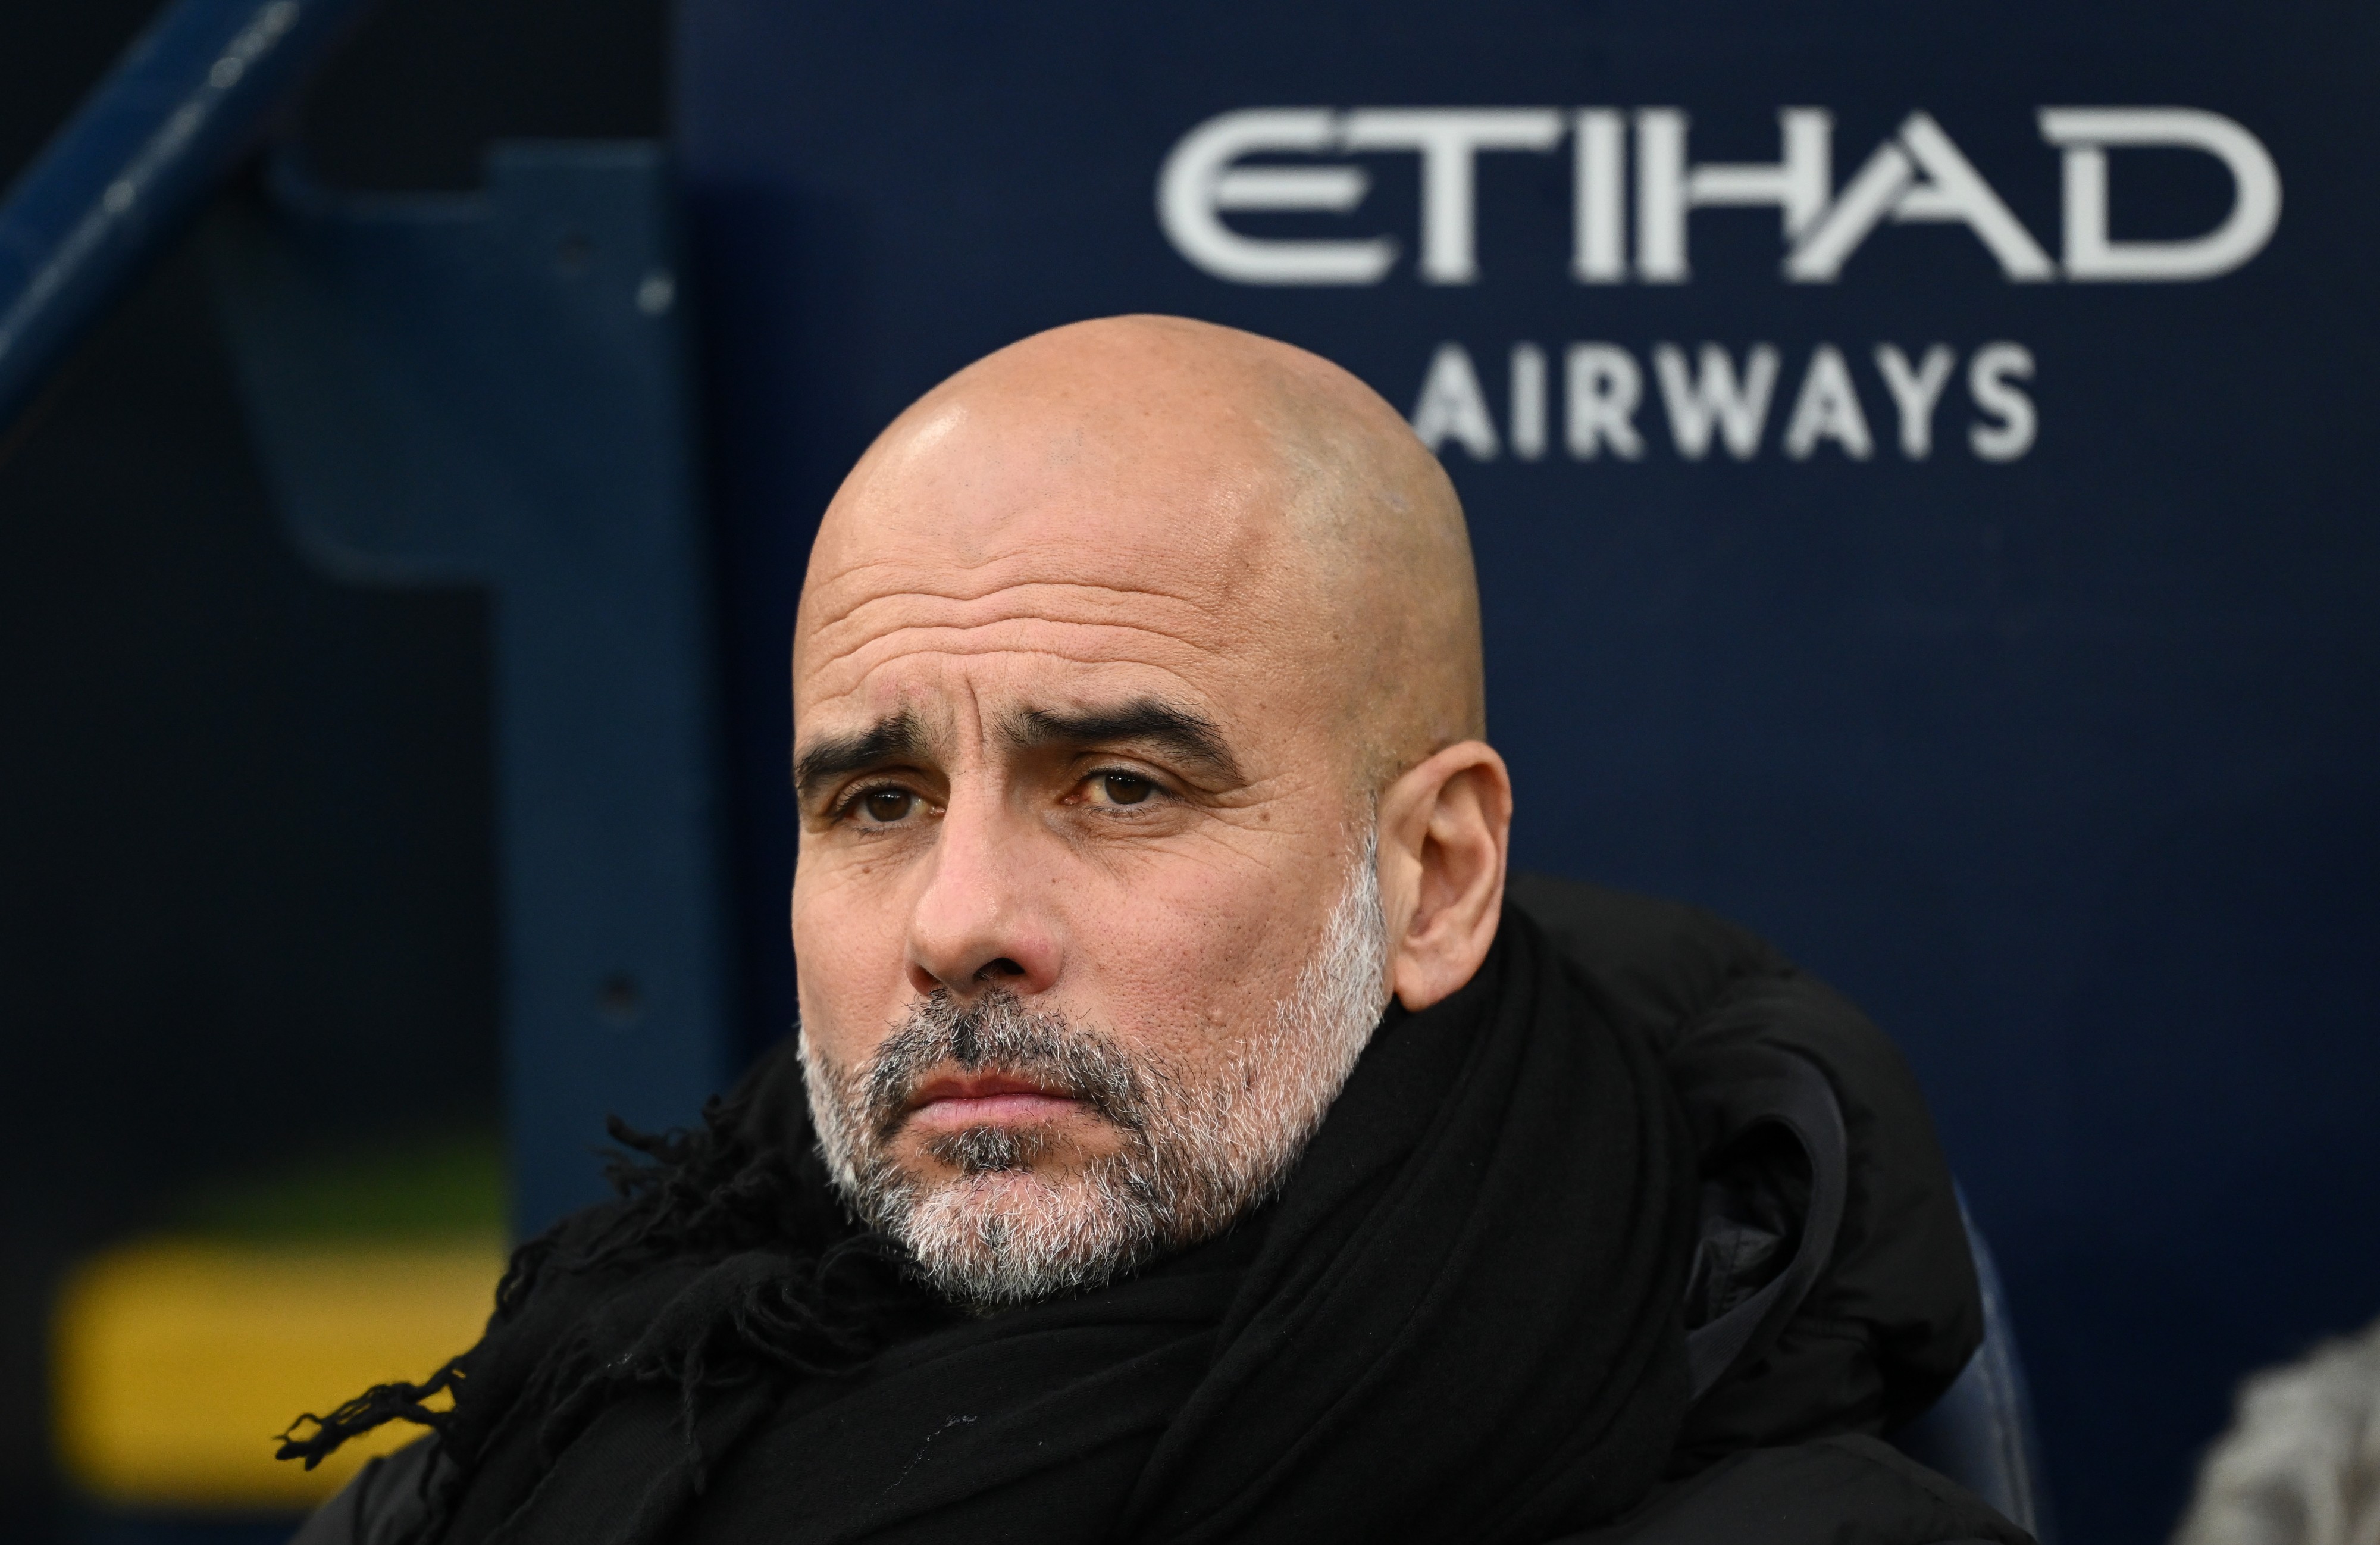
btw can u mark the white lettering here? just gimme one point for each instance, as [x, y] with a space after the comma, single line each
[1889, 188]
[1709, 396]
[1914, 392]
[1199, 181]
[1827, 408]
[1601, 392]
[1527, 430]
[1918, 175]
[1713, 396]
[2086, 132]
[1452, 406]
[1989, 375]
[1667, 189]
[1599, 178]
[1449, 139]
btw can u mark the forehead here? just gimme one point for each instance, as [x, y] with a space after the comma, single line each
[1048, 556]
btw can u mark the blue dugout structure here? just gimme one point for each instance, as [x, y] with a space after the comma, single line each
[1915, 469]
[187, 104]
[495, 390]
[492, 391]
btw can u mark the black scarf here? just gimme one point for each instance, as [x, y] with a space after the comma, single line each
[1460, 1320]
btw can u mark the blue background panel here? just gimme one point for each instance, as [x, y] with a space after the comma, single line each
[2060, 764]
[493, 389]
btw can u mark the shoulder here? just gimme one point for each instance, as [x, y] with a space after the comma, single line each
[1714, 997]
[1653, 964]
[1894, 1312]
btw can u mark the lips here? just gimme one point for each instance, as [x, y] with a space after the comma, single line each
[949, 1103]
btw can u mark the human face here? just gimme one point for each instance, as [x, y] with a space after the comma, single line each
[1062, 737]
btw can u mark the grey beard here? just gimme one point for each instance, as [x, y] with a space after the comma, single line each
[1197, 1150]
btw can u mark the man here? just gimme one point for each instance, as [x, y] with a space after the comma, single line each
[1184, 1138]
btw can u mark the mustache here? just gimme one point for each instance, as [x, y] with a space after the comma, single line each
[996, 1033]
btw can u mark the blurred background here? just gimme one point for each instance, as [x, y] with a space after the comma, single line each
[1935, 532]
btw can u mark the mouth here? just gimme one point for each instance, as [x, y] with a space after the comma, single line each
[951, 1103]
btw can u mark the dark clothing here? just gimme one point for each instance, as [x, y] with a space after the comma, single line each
[1541, 1275]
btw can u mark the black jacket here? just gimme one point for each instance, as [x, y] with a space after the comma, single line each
[1814, 1279]
[1786, 1445]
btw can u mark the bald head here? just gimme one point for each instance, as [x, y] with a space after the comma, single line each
[1207, 470]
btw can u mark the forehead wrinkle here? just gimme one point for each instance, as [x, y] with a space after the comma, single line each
[1024, 636]
[908, 591]
[972, 689]
[1021, 610]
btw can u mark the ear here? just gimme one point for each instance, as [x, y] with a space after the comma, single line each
[1445, 828]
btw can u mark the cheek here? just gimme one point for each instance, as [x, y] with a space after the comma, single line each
[850, 973]
[1198, 958]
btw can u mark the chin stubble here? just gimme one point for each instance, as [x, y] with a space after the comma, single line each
[1197, 1149]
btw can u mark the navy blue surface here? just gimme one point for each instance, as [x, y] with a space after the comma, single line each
[494, 389]
[2062, 764]
[187, 99]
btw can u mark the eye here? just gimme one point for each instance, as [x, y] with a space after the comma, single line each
[1124, 788]
[886, 806]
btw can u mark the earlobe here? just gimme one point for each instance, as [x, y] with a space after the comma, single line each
[1445, 830]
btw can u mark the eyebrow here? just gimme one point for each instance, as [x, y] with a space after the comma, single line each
[894, 738]
[1189, 735]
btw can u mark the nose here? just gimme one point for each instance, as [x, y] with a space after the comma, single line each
[982, 920]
